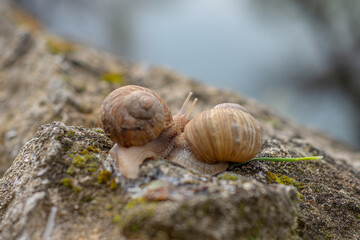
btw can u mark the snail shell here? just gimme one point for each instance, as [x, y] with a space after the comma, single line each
[141, 125]
[134, 115]
[225, 133]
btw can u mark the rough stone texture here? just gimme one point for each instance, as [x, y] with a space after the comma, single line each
[63, 185]
[46, 79]
[64, 170]
[61, 177]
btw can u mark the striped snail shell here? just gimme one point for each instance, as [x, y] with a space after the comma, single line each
[225, 133]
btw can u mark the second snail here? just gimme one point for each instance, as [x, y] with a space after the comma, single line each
[142, 126]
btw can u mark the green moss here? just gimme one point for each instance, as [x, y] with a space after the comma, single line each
[77, 189]
[104, 176]
[99, 130]
[135, 202]
[93, 149]
[135, 218]
[114, 78]
[91, 165]
[108, 207]
[272, 178]
[282, 179]
[113, 184]
[82, 162]
[66, 182]
[300, 197]
[71, 170]
[228, 176]
[79, 161]
[86, 161]
[117, 218]
[84, 152]
[69, 133]
[57, 46]
[134, 227]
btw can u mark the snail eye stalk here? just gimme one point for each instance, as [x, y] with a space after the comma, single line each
[184, 111]
[188, 112]
[186, 102]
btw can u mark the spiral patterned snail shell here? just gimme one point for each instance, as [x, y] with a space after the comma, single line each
[141, 125]
[134, 115]
[225, 133]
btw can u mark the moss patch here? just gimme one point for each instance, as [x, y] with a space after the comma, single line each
[104, 176]
[66, 182]
[113, 184]
[135, 202]
[57, 46]
[135, 216]
[282, 179]
[84, 159]
[228, 176]
[117, 218]
[114, 78]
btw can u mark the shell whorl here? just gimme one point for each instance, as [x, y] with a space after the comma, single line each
[231, 105]
[134, 115]
[224, 134]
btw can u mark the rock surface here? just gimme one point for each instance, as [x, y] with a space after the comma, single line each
[62, 185]
[48, 79]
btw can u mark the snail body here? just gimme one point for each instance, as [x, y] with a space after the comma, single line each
[141, 125]
[225, 133]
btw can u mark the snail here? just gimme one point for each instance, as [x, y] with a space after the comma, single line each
[141, 125]
[225, 133]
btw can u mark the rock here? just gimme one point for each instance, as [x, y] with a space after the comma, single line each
[45, 79]
[61, 183]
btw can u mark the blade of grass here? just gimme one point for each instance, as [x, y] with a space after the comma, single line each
[280, 159]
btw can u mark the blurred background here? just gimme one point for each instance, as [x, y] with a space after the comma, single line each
[301, 57]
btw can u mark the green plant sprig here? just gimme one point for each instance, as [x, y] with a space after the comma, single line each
[280, 159]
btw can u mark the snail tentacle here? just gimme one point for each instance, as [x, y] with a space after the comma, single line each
[182, 117]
